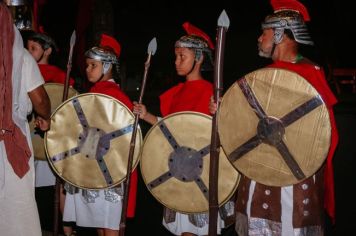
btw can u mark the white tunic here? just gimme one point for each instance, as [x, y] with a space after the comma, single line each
[18, 209]
[182, 224]
[103, 210]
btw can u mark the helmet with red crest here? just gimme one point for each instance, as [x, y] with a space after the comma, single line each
[289, 15]
[198, 41]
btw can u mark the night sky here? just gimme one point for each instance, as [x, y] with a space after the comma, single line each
[136, 23]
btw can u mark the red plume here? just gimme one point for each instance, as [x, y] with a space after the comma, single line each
[108, 41]
[291, 5]
[193, 30]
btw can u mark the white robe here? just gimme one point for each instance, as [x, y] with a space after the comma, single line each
[18, 209]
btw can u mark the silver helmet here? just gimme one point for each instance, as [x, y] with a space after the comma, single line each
[291, 20]
[106, 56]
[198, 41]
[15, 2]
[45, 40]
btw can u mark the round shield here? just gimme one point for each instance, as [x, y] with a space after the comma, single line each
[274, 127]
[55, 94]
[89, 140]
[175, 163]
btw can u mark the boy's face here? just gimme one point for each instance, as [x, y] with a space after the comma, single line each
[184, 60]
[35, 49]
[94, 69]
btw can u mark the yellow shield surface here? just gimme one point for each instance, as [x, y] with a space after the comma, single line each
[89, 141]
[274, 127]
[175, 163]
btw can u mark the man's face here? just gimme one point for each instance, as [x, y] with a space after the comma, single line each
[265, 43]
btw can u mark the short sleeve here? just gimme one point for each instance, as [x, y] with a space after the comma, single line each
[32, 77]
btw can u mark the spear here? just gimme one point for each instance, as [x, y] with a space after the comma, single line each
[152, 47]
[223, 25]
[69, 66]
[64, 97]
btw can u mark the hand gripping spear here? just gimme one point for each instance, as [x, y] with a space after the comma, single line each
[223, 25]
[64, 97]
[151, 50]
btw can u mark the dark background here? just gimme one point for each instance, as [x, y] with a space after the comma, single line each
[135, 23]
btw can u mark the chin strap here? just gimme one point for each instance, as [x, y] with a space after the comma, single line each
[191, 70]
[40, 57]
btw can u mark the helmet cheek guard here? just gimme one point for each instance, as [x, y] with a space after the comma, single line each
[198, 54]
[106, 67]
[278, 35]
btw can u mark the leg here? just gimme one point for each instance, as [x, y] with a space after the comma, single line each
[100, 231]
[67, 230]
[110, 232]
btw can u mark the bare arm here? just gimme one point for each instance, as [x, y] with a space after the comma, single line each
[41, 106]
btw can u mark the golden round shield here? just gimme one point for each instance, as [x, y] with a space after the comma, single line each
[274, 127]
[175, 163]
[89, 141]
[55, 94]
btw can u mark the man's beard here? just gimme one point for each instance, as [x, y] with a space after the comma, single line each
[264, 53]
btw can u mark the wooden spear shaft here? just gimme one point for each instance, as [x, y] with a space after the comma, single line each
[215, 141]
[57, 190]
[151, 50]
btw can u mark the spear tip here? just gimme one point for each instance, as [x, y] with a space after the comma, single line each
[223, 20]
[72, 39]
[152, 46]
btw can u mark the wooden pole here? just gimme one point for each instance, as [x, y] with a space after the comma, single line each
[215, 142]
[151, 51]
[57, 190]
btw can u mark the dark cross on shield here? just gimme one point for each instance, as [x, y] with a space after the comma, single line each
[93, 142]
[271, 130]
[185, 163]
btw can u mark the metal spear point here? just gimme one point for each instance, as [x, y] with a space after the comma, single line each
[223, 20]
[152, 46]
[69, 66]
[223, 25]
[151, 50]
[72, 42]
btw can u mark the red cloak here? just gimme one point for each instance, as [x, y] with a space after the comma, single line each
[189, 96]
[54, 74]
[315, 76]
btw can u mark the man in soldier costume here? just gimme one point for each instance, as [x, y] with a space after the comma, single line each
[296, 209]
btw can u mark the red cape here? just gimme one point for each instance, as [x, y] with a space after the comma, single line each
[315, 76]
[54, 74]
[112, 89]
[188, 96]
